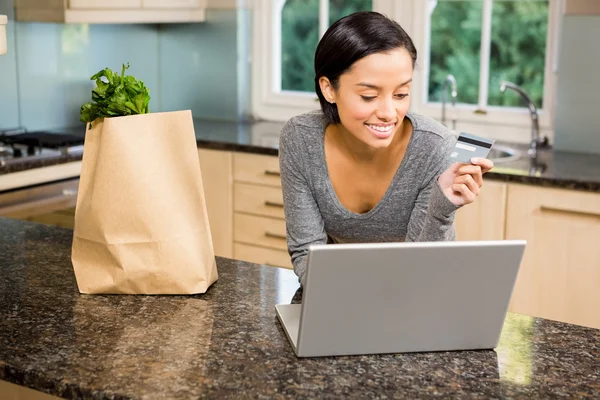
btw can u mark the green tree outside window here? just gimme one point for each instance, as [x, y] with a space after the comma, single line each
[300, 35]
[518, 44]
[517, 54]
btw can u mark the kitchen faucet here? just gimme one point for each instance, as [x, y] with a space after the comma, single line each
[537, 141]
[450, 78]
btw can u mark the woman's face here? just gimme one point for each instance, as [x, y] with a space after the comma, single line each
[372, 97]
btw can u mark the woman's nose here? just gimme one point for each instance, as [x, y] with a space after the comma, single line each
[386, 110]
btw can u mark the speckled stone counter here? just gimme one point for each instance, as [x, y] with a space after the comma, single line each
[552, 168]
[228, 343]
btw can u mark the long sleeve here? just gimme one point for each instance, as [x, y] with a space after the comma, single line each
[304, 223]
[432, 218]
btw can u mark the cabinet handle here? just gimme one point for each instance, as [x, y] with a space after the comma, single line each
[69, 192]
[273, 204]
[274, 235]
[269, 172]
[569, 211]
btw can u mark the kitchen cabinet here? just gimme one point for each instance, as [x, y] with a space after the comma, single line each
[64, 218]
[559, 277]
[217, 180]
[111, 11]
[51, 203]
[258, 221]
[174, 4]
[484, 219]
[10, 391]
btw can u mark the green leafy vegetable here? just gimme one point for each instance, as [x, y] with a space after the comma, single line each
[115, 95]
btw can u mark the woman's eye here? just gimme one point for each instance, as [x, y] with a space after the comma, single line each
[397, 96]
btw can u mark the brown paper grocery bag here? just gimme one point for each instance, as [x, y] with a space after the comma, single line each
[141, 225]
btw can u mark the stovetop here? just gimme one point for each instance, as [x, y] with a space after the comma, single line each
[19, 145]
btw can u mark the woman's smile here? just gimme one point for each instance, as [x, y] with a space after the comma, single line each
[381, 131]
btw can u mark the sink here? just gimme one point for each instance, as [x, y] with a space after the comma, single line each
[503, 154]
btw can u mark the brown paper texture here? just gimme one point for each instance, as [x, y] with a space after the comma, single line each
[141, 225]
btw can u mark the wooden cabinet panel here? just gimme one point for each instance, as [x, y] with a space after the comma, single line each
[174, 3]
[37, 176]
[10, 391]
[40, 200]
[258, 200]
[258, 169]
[62, 218]
[485, 218]
[230, 4]
[110, 11]
[559, 278]
[261, 255]
[260, 231]
[104, 4]
[259, 225]
[216, 169]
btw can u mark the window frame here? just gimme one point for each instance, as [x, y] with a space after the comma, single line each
[270, 104]
[480, 117]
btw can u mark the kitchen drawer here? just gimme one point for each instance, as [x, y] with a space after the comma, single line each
[261, 255]
[39, 200]
[254, 168]
[61, 218]
[259, 200]
[260, 231]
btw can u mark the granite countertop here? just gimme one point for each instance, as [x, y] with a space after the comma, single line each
[551, 168]
[227, 343]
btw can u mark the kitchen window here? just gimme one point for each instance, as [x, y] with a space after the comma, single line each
[480, 42]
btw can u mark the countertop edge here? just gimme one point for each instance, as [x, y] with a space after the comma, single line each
[559, 183]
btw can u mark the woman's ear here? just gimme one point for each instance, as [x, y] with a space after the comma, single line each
[327, 89]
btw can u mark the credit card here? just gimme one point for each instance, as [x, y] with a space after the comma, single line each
[470, 146]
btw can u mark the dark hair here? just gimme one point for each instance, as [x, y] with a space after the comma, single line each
[348, 40]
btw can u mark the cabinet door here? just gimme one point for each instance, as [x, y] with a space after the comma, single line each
[217, 179]
[10, 391]
[484, 219]
[104, 4]
[174, 3]
[559, 278]
[40, 200]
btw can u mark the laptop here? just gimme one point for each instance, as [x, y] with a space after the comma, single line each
[402, 297]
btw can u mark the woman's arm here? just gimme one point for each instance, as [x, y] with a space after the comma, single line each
[451, 186]
[304, 224]
[432, 218]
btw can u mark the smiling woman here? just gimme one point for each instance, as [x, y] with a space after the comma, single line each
[363, 168]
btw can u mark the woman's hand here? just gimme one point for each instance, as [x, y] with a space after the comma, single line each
[461, 182]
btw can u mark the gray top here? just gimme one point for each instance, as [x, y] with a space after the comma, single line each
[413, 208]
